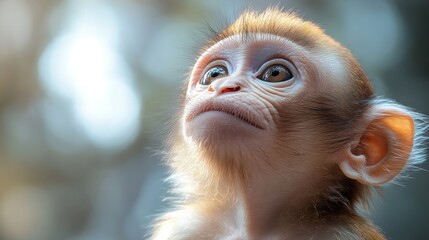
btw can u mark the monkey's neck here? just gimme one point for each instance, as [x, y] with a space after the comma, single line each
[266, 204]
[263, 202]
[270, 207]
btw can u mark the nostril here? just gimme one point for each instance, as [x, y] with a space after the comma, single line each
[231, 89]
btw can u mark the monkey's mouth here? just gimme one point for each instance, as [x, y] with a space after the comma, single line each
[243, 114]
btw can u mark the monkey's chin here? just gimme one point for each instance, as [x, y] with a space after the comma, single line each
[215, 128]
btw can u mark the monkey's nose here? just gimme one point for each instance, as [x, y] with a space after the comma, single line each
[230, 89]
[225, 85]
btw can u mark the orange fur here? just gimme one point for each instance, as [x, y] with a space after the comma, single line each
[205, 186]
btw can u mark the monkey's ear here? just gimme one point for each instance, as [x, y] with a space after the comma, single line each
[383, 148]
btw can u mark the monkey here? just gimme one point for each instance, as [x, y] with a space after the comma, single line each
[280, 135]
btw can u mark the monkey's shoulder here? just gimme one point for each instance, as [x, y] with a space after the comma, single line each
[355, 227]
[188, 223]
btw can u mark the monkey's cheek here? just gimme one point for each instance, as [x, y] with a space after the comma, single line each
[219, 128]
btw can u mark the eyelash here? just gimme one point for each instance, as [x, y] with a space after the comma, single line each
[213, 63]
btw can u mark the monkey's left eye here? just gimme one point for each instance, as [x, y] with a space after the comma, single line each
[213, 74]
[276, 73]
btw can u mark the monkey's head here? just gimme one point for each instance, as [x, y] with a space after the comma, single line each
[274, 93]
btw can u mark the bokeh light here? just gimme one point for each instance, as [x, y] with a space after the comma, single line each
[83, 66]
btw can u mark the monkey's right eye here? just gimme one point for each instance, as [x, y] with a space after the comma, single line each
[213, 74]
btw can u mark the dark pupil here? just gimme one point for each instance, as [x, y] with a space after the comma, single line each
[275, 73]
[215, 74]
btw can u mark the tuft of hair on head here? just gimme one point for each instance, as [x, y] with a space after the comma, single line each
[276, 21]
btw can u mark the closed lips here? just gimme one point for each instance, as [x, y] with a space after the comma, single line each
[241, 113]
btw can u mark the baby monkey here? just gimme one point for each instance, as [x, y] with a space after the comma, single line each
[280, 136]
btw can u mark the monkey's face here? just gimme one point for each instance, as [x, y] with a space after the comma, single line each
[246, 92]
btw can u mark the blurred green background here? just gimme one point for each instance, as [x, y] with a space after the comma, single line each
[87, 88]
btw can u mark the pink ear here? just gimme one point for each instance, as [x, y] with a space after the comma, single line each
[383, 149]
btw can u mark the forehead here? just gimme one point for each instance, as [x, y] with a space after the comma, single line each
[260, 42]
